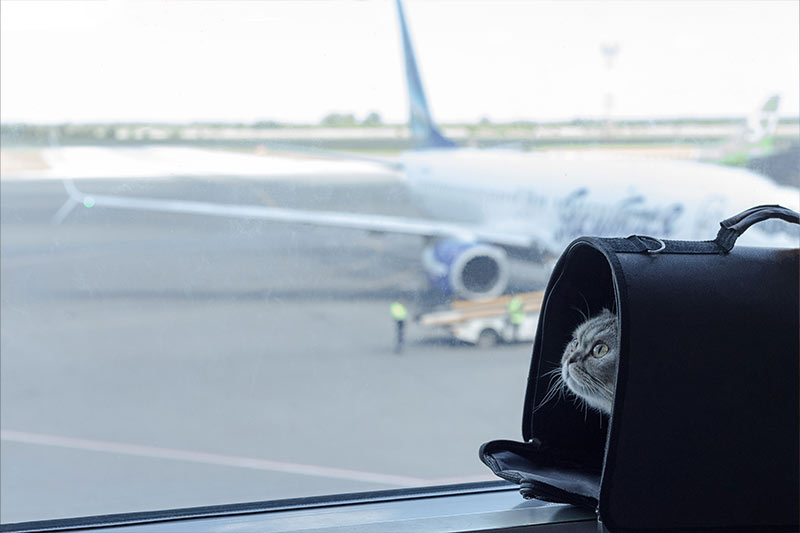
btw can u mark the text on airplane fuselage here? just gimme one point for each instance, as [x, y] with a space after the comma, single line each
[577, 215]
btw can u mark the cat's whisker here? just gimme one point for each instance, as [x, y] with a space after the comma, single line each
[597, 384]
[553, 387]
[583, 315]
[552, 390]
[585, 301]
[556, 370]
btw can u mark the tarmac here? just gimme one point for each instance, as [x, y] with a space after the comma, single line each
[154, 361]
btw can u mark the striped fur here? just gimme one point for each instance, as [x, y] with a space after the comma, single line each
[584, 371]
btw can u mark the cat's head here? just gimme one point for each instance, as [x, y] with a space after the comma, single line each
[589, 363]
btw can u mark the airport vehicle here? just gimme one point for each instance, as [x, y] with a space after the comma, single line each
[491, 205]
[485, 323]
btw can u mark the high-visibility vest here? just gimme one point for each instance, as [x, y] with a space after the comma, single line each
[398, 311]
[515, 312]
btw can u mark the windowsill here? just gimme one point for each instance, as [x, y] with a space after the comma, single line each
[492, 506]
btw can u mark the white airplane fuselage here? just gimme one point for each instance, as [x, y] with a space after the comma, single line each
[556, 197]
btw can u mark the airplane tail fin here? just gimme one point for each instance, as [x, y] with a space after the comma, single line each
[423, 129]
[757, 138]
[764, 121]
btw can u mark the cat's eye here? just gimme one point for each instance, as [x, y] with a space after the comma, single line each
[600, 349]
[573, 344]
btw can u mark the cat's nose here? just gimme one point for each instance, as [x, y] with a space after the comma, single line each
[573, 358]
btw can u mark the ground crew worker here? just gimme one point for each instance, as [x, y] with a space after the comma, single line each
[515, 315]
[399, 315]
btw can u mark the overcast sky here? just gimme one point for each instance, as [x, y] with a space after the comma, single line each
[297, 61]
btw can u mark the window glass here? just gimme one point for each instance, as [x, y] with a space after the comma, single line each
[211, 209]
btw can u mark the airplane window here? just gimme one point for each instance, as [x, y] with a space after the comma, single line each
[263, 250]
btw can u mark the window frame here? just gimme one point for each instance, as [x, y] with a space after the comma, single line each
[490, 505]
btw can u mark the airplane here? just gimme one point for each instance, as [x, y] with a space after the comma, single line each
[756, 137]
[487, 206]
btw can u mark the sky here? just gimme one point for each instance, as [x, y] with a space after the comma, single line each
[295, 62]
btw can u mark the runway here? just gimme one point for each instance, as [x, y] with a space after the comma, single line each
[154, 361]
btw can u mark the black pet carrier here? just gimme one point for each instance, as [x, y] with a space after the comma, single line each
[704, 429]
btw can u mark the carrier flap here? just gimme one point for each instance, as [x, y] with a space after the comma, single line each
[544, 474]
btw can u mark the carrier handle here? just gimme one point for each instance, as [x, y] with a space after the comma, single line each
[733, 227]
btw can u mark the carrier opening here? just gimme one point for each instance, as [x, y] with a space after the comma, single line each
[584, 287]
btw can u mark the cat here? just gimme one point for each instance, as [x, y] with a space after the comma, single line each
[589, 364]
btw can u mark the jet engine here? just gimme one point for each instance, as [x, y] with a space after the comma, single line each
[467, 270]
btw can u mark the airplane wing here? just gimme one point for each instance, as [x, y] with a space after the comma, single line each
[335, 219]
[284, 147]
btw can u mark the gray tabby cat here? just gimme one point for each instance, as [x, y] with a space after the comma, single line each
[589, 363]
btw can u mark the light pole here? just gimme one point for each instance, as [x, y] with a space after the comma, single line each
[609, 51]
